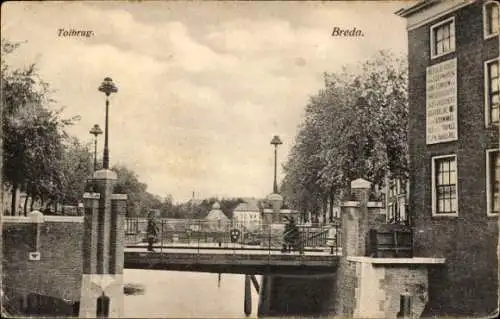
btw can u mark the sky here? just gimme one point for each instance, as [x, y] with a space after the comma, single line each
[202, 86]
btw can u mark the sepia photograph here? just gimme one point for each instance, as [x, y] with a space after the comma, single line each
[250, 159]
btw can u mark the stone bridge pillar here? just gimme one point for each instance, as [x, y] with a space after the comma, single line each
[103, 244]
[355, 219]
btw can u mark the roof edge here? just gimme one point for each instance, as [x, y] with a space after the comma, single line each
[405, 12]
[426, 11]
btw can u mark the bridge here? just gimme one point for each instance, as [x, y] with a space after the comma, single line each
[374, 254]
[240, 261]
[197, 245]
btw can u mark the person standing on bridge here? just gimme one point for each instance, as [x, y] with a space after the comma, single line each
[152, 230]
[291, 236]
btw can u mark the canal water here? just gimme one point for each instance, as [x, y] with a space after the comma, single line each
[174, 294]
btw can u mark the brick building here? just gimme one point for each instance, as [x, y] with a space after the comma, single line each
[453, 55]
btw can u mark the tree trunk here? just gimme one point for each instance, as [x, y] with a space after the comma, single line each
[26, 205]
[50, 204]
[324, 208]
[314, 213]
[331, 198]
[13, 203]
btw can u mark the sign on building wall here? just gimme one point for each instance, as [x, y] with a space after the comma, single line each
[441, 99]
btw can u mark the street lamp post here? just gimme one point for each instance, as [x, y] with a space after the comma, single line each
[107, 87]
[275, 141]
[275, 198]
[96, 131]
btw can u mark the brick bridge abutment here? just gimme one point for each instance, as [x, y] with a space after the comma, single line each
[363, 286]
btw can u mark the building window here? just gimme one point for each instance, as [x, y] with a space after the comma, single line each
[492, 182]
[492, 92]
[444, 185]
[491, 18]
[443, 38]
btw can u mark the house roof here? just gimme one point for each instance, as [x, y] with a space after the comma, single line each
[249, 205]
[216, 214]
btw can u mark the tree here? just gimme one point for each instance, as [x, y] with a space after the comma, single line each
[354, 127]
[167, 209]
[139, 201]
[149, 201]
[32, 132]
[228, 205]
[42, 156]
[128, 183]
[301, 185]
[369, 121]
[200, 210]
[76, 167]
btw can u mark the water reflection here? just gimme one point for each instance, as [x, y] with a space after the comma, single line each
[173, 294]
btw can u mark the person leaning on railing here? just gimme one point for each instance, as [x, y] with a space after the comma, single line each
[152, 230]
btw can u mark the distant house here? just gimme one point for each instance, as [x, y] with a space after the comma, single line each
[396, 192]
[216, 217]
[248, 214]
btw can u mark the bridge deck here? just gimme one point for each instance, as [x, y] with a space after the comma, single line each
[231, 260]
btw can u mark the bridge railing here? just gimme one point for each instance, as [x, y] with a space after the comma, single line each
[229, 234]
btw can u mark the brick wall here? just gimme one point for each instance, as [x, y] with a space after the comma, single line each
[468, 285]
[58, 273]
[398, 280]
[371, 290]
[347, 282]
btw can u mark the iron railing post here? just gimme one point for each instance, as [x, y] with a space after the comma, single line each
[269, 248]
[198, 236]
[339, 239]
[161, 242]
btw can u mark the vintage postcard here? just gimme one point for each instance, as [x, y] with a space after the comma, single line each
[232, 159]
